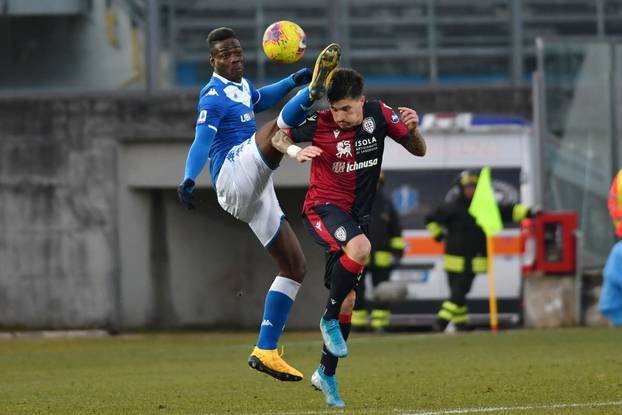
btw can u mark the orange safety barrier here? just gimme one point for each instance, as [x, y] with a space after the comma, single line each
[426, 245]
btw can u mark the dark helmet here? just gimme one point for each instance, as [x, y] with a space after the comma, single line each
[468, 177]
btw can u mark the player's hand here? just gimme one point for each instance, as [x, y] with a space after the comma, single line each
[410, 118]
[184, 192]
[308, 153]
[302, 77]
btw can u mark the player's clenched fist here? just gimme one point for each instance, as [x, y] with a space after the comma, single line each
[409, 117]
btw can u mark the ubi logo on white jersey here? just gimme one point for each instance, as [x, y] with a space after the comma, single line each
[344, 148]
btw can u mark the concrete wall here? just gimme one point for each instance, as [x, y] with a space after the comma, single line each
[66, 52]
[91, 234]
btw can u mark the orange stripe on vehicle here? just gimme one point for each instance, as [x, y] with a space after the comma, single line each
[426, 245]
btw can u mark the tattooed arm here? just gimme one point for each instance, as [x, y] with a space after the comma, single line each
[286, 145]
[415, 143]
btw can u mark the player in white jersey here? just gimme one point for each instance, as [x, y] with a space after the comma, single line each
[241, 164]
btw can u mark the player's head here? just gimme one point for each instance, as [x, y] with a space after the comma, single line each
[225, 53]
[467, 179]
[345, 97]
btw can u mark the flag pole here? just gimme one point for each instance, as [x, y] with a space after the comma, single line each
[492, 297]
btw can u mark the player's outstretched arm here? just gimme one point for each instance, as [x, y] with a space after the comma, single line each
[285, 145]
[415, 143]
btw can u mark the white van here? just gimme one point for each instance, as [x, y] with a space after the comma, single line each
[417, 185]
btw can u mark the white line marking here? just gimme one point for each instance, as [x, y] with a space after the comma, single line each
[514, 408]
[453, 411]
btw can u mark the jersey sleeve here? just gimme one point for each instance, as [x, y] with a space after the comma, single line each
[211, 109]
[304, 132]
[397, 130]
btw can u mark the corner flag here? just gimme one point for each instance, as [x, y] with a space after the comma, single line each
[485, 210]
[484, 206]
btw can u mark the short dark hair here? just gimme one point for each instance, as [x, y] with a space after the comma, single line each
[218, 35]
[345, 83]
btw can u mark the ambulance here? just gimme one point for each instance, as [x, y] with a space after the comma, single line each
[455, 142]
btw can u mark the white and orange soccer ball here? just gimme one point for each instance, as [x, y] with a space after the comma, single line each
[284, 42]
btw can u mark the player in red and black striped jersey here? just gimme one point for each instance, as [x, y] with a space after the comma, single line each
[347, 143]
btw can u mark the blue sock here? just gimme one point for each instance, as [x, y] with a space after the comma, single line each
[295, 110]
[279, 301]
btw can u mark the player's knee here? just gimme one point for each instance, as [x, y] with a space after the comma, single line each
[359, 249]
[348, 303]
[299, 269]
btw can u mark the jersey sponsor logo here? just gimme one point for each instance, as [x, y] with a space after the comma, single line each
[336, 132]
[357, 165]
[341, 234]
[235, 95]
[339, 166]
[394, 118]
[212, 92]
[369, 125]
[247, 117]
[202, 117]
[344, 148]
[366, 145]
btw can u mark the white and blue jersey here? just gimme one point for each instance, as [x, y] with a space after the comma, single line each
[225, 134]
[228, 109]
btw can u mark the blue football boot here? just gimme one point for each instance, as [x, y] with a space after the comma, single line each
[328, 385]
[333, 338]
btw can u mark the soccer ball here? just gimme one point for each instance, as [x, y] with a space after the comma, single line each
[284, 42]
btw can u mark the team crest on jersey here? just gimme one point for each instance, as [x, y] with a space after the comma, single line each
[344, 148]
[369, 125]
[202, 117]
[341, 234]
[394, 117]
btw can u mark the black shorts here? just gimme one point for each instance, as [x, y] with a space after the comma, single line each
[332, 228]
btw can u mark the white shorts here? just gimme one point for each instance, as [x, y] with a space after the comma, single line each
[245, 189]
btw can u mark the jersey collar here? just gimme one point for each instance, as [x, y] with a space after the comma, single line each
[225, 80]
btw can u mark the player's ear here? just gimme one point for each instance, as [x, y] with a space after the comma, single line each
[362, 99]
[211, 60]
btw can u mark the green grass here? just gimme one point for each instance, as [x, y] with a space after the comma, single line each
[391, 374]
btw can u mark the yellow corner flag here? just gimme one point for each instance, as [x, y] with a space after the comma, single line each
[484, 207]
[485, 210]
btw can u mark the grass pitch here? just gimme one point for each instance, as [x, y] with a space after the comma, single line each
[571, 371]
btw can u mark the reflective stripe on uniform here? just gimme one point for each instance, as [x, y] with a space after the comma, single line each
[380, 318]
[398, 243]
[479, 264]
[448, 310]
[519, 212]
[459, 319]
[383, 259]
[359, 318]
[453, 263]
[434, 228]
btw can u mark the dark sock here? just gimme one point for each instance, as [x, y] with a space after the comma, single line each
[328, 362]
[344, 277]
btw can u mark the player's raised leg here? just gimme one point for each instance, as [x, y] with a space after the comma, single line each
[295, 110]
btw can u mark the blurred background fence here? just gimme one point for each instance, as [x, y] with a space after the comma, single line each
[99, 44]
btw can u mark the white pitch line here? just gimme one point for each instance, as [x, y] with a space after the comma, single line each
[514, 408]
[452, 411]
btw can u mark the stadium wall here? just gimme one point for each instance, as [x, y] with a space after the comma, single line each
[91, 234]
